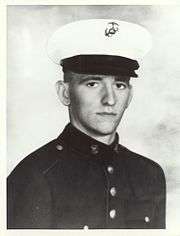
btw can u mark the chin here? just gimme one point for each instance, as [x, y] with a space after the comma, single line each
[104, 128]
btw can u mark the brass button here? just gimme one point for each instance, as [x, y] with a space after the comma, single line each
[59, 147]
[112, 213]
[86, 227]
[113, 191]
[146, 219]
[110, 169]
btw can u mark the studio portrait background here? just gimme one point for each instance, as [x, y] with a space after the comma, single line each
[151, 125]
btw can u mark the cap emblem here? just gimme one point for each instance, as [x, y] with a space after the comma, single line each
[112, 28]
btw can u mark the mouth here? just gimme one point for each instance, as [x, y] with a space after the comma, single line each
[106, 113]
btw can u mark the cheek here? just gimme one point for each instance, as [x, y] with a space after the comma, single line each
[122, 100]
[80, 100]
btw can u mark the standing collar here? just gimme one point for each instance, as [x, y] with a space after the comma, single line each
[84, 143]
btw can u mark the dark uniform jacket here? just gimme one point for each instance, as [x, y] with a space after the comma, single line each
[75, 182]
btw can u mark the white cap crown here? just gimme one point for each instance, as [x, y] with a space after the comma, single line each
[99, 37]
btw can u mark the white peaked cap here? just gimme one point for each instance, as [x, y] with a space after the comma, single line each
[99, 37]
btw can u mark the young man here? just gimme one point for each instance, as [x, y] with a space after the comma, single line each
[85, 178]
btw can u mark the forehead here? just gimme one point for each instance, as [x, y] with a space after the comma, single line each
[76, 77]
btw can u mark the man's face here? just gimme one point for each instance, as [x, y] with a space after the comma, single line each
[97, 102]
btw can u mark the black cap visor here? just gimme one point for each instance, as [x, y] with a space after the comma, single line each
[101, 64]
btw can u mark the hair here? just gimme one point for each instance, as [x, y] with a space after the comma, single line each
[67, 76]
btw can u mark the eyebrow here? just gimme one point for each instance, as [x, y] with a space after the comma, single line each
[124, 79]
[88, 78]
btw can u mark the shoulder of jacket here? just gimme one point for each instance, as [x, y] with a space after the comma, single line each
[139, 161]
[40, 160]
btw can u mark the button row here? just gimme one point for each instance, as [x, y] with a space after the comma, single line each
[112, 212]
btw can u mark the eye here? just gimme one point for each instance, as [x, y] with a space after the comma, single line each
[92, 84]
[121, 86]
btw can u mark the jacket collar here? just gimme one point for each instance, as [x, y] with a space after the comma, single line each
[84, 143]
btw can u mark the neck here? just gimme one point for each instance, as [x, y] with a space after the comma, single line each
[106, 139]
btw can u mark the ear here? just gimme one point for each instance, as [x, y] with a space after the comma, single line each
[62, 89]
[130, 95]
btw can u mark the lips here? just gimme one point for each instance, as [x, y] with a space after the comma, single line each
[106, 113]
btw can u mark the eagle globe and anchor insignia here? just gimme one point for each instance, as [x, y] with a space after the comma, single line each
[111, 29]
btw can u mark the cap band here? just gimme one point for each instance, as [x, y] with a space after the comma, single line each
[100, 64]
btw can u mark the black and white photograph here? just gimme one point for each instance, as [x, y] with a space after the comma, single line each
[93, 117]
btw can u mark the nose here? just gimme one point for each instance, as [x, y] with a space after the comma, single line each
[108, 97]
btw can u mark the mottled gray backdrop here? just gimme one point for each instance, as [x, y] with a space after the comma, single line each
[150, 127]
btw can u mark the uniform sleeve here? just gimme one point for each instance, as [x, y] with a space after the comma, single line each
[28, 200]
[160, 210]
